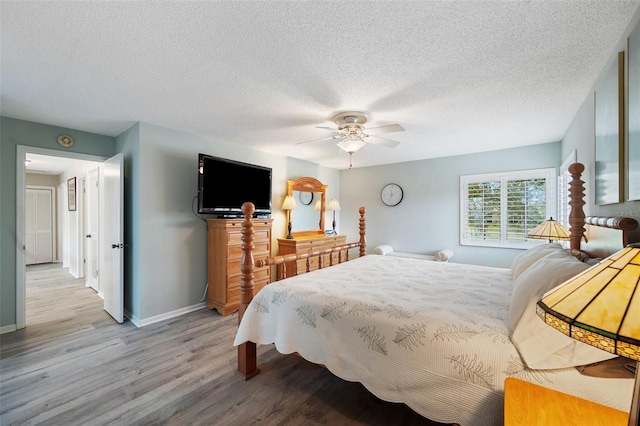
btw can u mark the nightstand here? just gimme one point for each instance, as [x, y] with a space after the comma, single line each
[529, 404]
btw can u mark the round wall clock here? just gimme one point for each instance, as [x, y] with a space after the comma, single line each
[65, 140]
[391, 194]
[305, 197]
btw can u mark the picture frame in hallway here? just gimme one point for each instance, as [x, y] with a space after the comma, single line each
[71, 192]
[609, 135]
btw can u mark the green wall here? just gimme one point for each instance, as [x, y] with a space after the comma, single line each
[18, 132]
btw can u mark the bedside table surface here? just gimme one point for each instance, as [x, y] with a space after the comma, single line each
[530, 404]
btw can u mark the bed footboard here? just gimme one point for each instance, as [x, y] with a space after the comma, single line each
[247, 352]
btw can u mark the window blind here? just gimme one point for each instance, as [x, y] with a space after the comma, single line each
[500, 209]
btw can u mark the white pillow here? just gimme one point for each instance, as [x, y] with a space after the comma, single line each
[443, 255]
[541, 346]
[383, 249]
[529, 257]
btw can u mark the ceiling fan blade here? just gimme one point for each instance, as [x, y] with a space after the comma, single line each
[317, 140]
[386, 129]
[327, 128]
[377, 140]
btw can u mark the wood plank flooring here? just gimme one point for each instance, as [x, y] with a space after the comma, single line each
[74, 365]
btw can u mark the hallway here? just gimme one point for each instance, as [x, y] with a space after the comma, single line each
[55, 295]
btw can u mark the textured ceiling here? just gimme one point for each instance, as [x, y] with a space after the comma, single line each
[459, 76]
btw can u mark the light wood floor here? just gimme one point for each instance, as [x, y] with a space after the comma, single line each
[74, 365]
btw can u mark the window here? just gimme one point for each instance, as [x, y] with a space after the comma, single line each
[498, 209]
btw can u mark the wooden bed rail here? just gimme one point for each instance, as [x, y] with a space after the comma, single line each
[622, 223]
[247, 352]
[294, 257]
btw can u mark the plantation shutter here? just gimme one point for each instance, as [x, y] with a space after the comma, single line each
[526, 207]
[499, 209]
[483, 211]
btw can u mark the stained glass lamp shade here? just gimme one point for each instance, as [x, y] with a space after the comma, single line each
[601, 307]
[549, 230]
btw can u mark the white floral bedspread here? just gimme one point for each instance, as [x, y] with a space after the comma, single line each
[432, 335]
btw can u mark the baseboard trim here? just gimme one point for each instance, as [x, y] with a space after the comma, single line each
[8, 329]
[157, 318]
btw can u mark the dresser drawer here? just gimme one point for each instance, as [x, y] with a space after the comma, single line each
[258, 274]
[234, 293]
[224, 258]
[261, 250]
[258, 235]
[302, 265]
[233, 265]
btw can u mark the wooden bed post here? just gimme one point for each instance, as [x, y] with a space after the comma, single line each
[576, 201]
[363, 239]
[247, 353]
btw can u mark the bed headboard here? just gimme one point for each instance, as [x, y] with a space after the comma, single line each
[599, 236]
[606, 235]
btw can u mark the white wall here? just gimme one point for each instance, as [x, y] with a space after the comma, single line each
[71, 221]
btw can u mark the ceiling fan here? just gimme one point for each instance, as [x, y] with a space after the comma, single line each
[351, 132]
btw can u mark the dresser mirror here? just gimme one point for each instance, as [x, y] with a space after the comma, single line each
[308, 194]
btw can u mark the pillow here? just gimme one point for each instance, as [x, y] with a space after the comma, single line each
[383, 250]
[539, 345]
[443, 256]
[529, 257]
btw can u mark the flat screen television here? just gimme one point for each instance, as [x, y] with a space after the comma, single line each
[224, 185]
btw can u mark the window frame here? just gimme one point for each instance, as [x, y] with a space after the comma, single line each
[551, 198]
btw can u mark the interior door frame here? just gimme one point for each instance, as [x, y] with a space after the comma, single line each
[21, 174]
[91, 216]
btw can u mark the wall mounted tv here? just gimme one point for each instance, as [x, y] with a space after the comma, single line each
[224, 185]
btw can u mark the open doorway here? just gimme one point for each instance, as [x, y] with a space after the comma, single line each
[68, 225]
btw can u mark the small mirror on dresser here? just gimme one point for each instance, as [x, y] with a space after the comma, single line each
[308, 217]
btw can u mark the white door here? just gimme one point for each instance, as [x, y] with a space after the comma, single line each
[111, 248]
[92, 237]
[38, 226]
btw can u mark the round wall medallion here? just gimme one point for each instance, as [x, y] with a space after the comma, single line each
[65, 140]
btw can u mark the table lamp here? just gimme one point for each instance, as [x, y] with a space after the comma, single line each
[289, 204]
[601, 307]
[333, 206]
[549, 230]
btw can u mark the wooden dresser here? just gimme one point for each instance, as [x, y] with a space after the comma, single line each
[224, 257]
[308, 243]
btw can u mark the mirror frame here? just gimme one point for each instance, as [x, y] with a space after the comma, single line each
[309, 184]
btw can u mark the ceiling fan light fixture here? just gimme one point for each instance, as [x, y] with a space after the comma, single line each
[351, 144]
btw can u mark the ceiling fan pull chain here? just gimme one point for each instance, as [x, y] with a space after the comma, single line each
[350, 162]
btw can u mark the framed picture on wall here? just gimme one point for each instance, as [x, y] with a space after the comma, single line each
[71, 192]
[634, 115]
[609, 132]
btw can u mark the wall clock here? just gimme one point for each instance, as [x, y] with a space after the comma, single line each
[391, 194]
[65, 140]
[305, 197]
